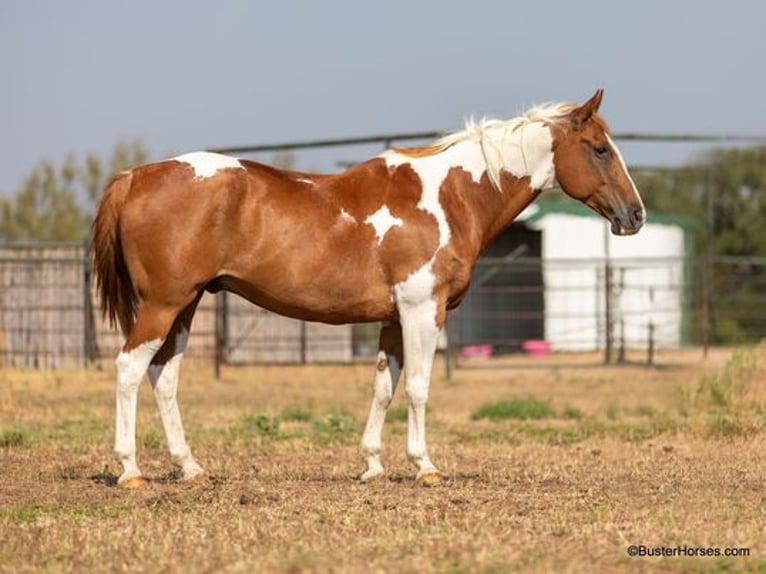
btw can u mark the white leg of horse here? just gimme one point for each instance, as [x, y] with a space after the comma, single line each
[388, 370]
[164, 379]
[420, 335]
[131, 366]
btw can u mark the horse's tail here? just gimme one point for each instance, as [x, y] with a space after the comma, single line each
[115, 287]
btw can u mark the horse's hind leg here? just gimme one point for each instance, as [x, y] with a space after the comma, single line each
[388, 371]
[144, 340]
[163, 373]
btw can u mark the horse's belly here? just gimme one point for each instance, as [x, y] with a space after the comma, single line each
[333, 302]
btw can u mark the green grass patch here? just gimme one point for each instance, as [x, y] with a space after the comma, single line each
[12, 437]
[645, 411]
[570, 431]
[397, 414]
[573, 413]
[521, 409]
[295, 414]
[152, 439]
[731, 386]
[338, 427]
[262, 425]
[725, 425]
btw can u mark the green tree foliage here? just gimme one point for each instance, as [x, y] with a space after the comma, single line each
[737, 179]
[46, 208]
[57, 204]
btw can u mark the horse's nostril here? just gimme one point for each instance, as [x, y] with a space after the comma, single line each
[637, 216]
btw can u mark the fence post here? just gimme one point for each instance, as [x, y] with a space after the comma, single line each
[90, 344]
[453, 328]
[303, 343]
[608, 312]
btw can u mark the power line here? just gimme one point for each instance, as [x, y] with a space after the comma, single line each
[388, 139]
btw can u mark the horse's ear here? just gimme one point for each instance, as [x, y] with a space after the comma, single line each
[582, 113]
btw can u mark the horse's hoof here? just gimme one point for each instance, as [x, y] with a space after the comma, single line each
[371, 474]
[430, 478]
[193, 478]
[193, 474]
[132, 483]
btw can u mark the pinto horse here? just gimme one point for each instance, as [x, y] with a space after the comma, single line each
[393, 239]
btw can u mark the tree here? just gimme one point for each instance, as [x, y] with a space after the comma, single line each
[57, 204]
[735, 180]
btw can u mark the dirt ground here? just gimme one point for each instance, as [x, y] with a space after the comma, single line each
[668, 459]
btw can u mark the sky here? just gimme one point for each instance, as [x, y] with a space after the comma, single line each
[81, 75]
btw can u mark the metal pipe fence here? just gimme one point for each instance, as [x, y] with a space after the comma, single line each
[49, 315]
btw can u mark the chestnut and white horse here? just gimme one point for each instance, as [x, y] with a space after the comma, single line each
[393, 239]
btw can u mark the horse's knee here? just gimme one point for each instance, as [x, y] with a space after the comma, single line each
[417, 391]
[165, 379]
[128, 375]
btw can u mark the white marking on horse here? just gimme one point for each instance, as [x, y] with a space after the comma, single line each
[418, 287]
[301, 179]
[382, 220]
[625, 169]
[345, 216]
[207, 164]
[432, 171]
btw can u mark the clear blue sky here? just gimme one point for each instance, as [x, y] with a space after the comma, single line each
[78, 76]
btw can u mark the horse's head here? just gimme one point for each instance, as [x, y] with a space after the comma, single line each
[589, 168]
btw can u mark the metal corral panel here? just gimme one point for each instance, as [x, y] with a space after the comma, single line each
[255, 335]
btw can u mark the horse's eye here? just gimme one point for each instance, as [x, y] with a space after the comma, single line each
[601, 151]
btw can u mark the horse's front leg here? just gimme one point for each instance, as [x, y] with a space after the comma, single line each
[388, 370]
[420, 334]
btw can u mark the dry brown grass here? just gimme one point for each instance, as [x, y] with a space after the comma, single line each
[667, 456]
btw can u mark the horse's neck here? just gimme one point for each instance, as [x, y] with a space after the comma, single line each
[492, 206]
[516, 196]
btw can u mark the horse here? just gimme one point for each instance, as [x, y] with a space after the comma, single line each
[392, 240]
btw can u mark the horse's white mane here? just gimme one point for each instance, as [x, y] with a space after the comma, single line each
[475, 130]
[492, 133]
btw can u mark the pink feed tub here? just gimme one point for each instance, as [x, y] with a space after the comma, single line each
[536, 347]
[476, 351]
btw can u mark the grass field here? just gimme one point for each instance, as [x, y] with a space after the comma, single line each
[554, 469]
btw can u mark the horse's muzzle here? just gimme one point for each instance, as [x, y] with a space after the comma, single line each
[630, 222]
